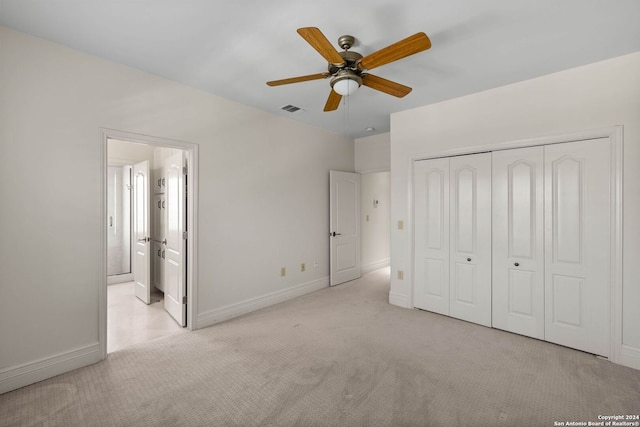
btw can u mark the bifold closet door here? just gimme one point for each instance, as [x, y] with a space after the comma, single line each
[431, 219]
[470, 238]
[577, 245]
[518, 241]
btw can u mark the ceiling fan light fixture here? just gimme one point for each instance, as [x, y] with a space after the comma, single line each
[346, 83]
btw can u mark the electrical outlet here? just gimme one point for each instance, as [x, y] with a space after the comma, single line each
[401, 225]
[303, 267]
[400, 275]
[283, 272]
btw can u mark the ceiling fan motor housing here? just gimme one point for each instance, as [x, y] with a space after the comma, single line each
[350, 62]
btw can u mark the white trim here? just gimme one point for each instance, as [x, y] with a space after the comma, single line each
[609, 132]
[615, 313]
[234, 310]
[619, 353]
[629, 356]
[400, 300]
[191, 151]
[32, 372]
[102, 273]
[376, 265]
[372, 170]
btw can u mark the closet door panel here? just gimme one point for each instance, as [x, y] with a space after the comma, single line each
[518, 241]
[577, 252]
[470, 236]
[431, 232]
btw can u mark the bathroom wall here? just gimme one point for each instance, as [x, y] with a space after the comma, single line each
[118, 220]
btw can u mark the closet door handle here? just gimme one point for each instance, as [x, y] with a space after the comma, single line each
[162, 254]
[158, 204]
[158, 252]
[163, 204]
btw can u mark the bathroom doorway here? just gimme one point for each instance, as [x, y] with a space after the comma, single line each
[154, 255]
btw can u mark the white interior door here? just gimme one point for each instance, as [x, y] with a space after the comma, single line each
[577, 245]
[141, 232]
[175, 248]
[470, 239]
[518, 241]
[344, 226]
[431, 219]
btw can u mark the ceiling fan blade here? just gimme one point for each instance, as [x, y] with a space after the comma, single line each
[333, 102]
[406, 47]
[386, 86]
[319, 42]
[299, 79]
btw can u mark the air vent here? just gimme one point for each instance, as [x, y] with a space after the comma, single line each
[290, 108]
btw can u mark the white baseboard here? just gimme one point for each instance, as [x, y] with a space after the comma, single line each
[234, 310]
[32, 372]
[400, 300]
[630, 356]
[376, 265]
[119, 278]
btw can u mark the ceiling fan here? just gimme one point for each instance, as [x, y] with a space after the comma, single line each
[349, 70]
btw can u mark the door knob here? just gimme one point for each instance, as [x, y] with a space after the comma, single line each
[468, 259]
[516, 264]
[334, 234]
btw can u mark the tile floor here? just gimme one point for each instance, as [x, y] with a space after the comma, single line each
[130, 321]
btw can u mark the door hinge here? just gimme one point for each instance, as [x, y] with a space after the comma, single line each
[184, 299]
[185, 235]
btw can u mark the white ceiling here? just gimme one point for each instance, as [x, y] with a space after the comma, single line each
[232, 47]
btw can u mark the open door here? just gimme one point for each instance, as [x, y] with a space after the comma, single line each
[344, 231]
[175, 285]
[141, 232]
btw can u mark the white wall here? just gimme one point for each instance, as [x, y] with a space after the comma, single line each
[598, 95]
[128, 153]
[372, 153]
[263, 197]
[372, 161]
[375, 221]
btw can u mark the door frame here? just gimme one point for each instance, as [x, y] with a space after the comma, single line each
[618, 353]
[191, 153]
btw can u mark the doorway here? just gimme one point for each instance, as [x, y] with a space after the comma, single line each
[140, 298]
[118, 222]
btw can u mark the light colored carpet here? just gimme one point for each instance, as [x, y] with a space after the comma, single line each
[338, 357]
